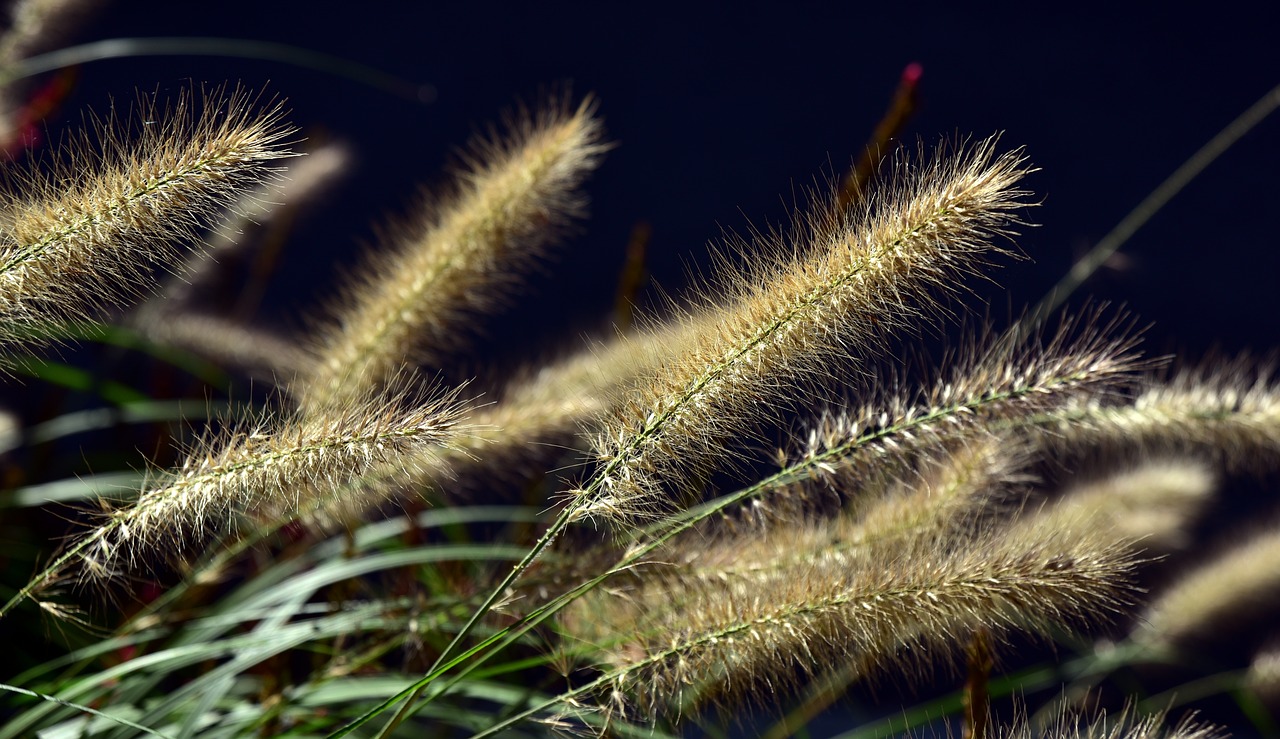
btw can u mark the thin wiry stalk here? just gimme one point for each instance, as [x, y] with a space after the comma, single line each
[791, 322]
[89, 234]
[459, 257]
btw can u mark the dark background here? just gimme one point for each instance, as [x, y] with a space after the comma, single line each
[724, 113]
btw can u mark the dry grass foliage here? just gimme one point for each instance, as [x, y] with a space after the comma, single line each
[904, 520]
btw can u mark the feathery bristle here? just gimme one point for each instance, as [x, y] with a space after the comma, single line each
[985, 388]
[1123, 725]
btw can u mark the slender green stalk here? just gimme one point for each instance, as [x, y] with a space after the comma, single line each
[1150, 205]
[55, 568]
[86, 709]
[185, 46]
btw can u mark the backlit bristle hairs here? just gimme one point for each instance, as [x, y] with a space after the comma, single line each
[119, 202]
[122, 200]
[813, 308]
[894, 604]
[459, 256]
[295, 464]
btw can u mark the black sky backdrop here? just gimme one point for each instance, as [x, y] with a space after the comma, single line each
[724, 113]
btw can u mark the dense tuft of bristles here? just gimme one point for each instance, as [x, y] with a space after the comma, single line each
[121, 201]
[1230, 410]
[903, 523]
[417, 299]
[789, 323]
[993, 385]
[287, 467]
[900, 603]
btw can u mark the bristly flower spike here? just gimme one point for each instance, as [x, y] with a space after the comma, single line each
[88, 234]
[458, 257]
[792, 323]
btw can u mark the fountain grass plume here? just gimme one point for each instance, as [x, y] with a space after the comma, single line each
[123, 199]
[814, 306]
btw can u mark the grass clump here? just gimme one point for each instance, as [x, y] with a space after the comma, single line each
[383, 554]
